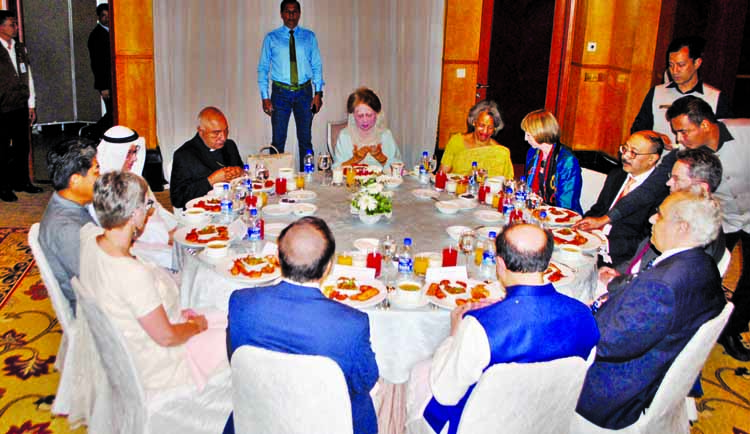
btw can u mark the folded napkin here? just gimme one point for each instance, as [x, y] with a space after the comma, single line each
[359, 273]
[436, 274]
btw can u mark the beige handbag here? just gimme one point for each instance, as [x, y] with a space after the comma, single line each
[273, 162]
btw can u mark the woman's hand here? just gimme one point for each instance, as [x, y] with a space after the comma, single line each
[377, 153]
[360, 152]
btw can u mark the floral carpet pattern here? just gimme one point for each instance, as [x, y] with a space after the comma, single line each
[30, 336]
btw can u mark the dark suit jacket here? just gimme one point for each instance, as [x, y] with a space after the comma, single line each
[191, 166]
[714, 249]
[300, 320]
[644, 326]
[653, 191]
[630, 230]
[101, 60]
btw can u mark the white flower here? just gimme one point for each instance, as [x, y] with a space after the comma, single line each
[387, 194]
[375, 188]
[368, 203]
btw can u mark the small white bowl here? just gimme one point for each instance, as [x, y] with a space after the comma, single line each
[456, 231]
[369, 219]
[450, 186]
[569, 253]
[217, 249]
[410, 292]
[446, 207]
[194, 215]
[218, 188]
[304, 209]
[392, 182]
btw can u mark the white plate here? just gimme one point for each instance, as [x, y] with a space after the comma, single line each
[391, 182]
[278, 210]
[302, 195]
[365, 245]
[449, 302]
[224, 267]
[181, 233]
[304, 209]
[592, 241]
[466, 204]
[456, 231]
[489, 216]
[423, 193]
[361, 304]
[273, 230]
[484, 232]
[566, 271]
[192, 202]
[448, 206]
[557, 216]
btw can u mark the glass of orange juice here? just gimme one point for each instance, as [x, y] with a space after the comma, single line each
[461, 187]
[421, 262]
[262, 198]
[478, 254]
[495, 200]
[350, 174]
[344, 259]
[300, 181]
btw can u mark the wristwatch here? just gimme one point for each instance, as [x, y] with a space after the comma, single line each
[319, 93]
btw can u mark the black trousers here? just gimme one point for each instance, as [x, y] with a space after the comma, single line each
[14, 148]
[738, 322]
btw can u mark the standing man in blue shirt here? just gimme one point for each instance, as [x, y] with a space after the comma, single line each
[291, 56]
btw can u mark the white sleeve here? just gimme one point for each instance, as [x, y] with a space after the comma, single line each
[459, 362]
[32, 93]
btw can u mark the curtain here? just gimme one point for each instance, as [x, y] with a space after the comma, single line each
[206, 53]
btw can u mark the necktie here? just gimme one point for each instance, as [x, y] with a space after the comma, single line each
[638, 257]
[626, 190]
[293, 59]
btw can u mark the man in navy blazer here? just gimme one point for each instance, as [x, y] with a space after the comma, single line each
[651, 316]
[295, 317]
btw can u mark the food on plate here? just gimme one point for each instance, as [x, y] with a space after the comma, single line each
[346, 283]
[409, 287]
[260, 185]
[210, 205]
[570, 236]
[207, 234]
[240, 266]
[478, 293]
[553, 273]
[364, 292]
[556, 214]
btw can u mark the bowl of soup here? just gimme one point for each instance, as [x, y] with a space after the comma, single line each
[410, 292]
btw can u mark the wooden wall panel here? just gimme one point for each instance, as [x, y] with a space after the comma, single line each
[462, 29]
[457, 96]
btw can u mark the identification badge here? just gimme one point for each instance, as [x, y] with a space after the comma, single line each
[22, 68]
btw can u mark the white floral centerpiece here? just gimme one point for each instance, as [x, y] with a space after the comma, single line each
[372, 202]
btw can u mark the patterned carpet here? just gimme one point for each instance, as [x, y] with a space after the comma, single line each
[30, 335]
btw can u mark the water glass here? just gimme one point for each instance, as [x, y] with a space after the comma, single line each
[466, 242]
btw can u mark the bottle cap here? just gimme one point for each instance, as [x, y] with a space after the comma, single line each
[309, 152]
[425, 153]
[246, 167]
[473, 164]
[226, 186]
[407, 241]
[253, 212]
[523, 179]
[492, 234]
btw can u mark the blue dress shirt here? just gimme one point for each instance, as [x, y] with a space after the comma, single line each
[274, 58]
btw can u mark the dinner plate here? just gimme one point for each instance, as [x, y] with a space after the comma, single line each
[278, 210]
[273, 230]
[484, 231]
[449, 301]
[567, 274]
[557, 216]
[585, 240]
[456, 231]
[365, 245]
[302, 195]
[382, 293]
[225, 265]
[181, 234]
[304, 209]
[193, 203]
[488, 216]
[423, 193]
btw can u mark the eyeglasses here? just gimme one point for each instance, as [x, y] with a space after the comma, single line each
[149, 204]
[629, 152]
[216, 133]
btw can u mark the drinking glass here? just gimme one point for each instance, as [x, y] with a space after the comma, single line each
[261, 172]
[324, 162]
[466, 242]
[389, 248]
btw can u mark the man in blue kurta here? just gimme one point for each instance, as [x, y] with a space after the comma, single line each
[295, 317]
[534, 323]
[290, 56]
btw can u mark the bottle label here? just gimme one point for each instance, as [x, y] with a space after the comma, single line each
[226, 206]
[253, 232]
[405, 265]
[309, 168]
[488, 257]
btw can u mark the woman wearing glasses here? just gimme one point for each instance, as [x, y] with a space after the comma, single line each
[140, 298]
[552, 171]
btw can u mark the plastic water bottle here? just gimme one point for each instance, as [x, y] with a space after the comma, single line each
[254, 233]
[474, 179]
[522, 190]
[247, 175]
[508, 202]
[226, 204]
[424, 167]
[487, 267]
[309, 165]
[405, 261]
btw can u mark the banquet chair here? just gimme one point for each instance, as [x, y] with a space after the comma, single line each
[131, 410]
[334, 129]
[667, 413]
[66, 319]
[593, 182]
[300, 393]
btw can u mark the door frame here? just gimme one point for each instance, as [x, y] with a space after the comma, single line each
[485, 40]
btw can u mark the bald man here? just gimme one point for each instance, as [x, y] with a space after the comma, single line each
[293, 316]
[209, 157]
[534, 323]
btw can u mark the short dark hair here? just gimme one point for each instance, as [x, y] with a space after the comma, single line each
[694, 44]
[365, 96]
[520, 261]
[101, 8]
[703, 166]
[315, 267]
[657, 143]
[289, 2]
[4, 15]
[68, 158]
[696, 109]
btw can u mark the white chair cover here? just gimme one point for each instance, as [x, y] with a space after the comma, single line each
[64, 317]
[593, 182]
[288, 393]
[123, 406]
[334, 129]
[723, 264]
[667, 413]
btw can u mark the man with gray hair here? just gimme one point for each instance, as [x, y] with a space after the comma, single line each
[651, 316]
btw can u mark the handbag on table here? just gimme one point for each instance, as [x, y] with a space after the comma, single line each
[272, 162]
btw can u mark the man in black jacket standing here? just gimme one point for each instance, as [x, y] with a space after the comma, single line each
[101, 65]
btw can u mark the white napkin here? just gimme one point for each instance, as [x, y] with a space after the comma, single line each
[359, 273]
[437, 274]
[270, 248]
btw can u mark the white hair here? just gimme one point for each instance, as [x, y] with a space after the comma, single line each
[701, 212]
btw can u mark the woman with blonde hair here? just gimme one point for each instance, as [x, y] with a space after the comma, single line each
[552, 171]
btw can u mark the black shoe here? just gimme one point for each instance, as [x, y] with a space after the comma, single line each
[8, 196]
[733, 346]
[28, 188]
